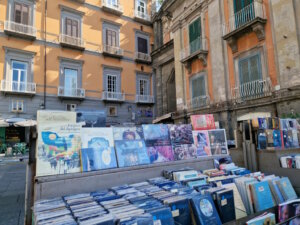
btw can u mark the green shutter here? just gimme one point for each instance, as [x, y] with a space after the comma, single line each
[194, 34]
[250, 69]
[2, 135]
[198, 87]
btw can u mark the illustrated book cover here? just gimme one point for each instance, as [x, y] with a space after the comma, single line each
[181, 134]
[201, 141]
[218, 142]
[128, 133]
[203, 122]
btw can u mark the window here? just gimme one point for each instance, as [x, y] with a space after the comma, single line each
[17, 106]
[195, 35]
[142, 45]
[243, 11]
[70, 82]
[71, 22]
[241, 4]
[112, 111]
[111, 34]
[72, 27]
[143, 87]
[111, 83]
[141, 6]
[113, 2]
[198, 87]
[21, 13]
[111, 38]
[250, 69]
[19, 75]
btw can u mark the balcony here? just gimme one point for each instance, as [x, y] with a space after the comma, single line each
[113, 51]
[142, 58]
[196, 49]
[142, 17]
[144, 99]
[198, 102]
[252, 90]
[113, 96]
[73, 93]
[20, 30]
[14, 87]
[71, 42]
[110, 7]
[251, 18]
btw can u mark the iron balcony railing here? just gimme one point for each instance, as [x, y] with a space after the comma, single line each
[113, 96]
[113, 50]
[73, 41]
[140, 15]
[245, 16]
[112, 5]
[20, 28]
[71, 92]
[200, 44]
[143, 57]
[252, 90]
[18, 87]
[198, 102]
[144, 99]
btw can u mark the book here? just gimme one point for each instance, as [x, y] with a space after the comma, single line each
[275, 190]
[262, 122]
[203, 122]
[182, 152]
[180, 209]
[270, 138]
[295, 138]
[97, 149]
[225, 205]
[59, 149]
[218, 142]
[277, 139]
[201, 141]
[162, 215]
[181, 134]
[266, 218]
[261, 139]
[286, 189]
[288, 210]
[158, 143]
[204, 210]
[262, 196]
[128, 133]
[287, 137]
[131, 153]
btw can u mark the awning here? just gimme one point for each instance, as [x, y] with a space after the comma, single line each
[26, 123]
[161, 118]
[255, 115]
[17, 122]
[3, 123]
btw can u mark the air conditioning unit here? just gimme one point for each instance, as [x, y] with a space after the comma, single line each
[71, 107]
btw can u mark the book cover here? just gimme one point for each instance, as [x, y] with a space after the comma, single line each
[275, 190]
[262, 139]
[182, 152]
[156, 132]
[225, 205]
[287, 139]
[181, 134]
[159, 154]
[131, 153]
[203, 122]
[218, 142]
[295, 138]
[180, 211]
[263, 198]
[270, 138]
[284, 124]
[265, 219]
[128, 133]
[277, 139]
[270, 123]
[58, 150]
[201, 141]
[288, 210]
[286, 189]
[162, 216]
[276, 123]
[262, 123]
[204, 210]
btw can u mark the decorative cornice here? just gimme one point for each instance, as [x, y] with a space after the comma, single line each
[70, 60]
[7, 49]
[66, 8]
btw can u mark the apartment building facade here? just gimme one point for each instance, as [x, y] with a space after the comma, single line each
[232, 58]
[77, 55]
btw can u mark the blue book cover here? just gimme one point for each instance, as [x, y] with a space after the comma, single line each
[181, 212]
[156, 132]
[275, 190]
[225, 205]
[287, 138]
[262, 139]
[131, 153]
[204, 210]
[263, 220]
[128, 133]
[286, 189]
[262, 195]
[162, 216]
[145, 219]
[277, 138]
[262, 123]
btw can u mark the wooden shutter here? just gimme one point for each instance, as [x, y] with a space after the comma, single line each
[68, 27]
[75, 28]
[25, 14]
[250, 69]
[18, 13]
[195, 30]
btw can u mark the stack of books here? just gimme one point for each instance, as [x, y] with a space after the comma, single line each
[290, 161]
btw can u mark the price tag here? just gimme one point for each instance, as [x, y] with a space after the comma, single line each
[157, 222]
[224, 202]
[175, 213]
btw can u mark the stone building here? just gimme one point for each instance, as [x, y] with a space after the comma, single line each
[232, 58]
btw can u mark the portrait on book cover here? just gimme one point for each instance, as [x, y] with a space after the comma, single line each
[181, 134]
[218, 142]
[159, 154]
[59, 149]
[201, 141]
[288, 211]
[128, 133]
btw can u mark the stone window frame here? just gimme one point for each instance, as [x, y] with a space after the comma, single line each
[32, 8]
[66, 63]
[110, 26]
[112, 71]
[141, 76]
[194, 77]
[18, 55]
[146, 6]
[142, 35]
[72, 14]
[243, 55]
[116, 110]
[18, 101]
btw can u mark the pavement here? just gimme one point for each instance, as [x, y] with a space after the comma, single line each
[12, 191]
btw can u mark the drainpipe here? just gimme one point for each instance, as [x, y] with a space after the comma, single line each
[45, 54]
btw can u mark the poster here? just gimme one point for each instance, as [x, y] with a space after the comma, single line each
[182, 152]
[97, 149]
[201, 141]
[128, 133]
[203, 122]
[218, 142]
[58, 149]
[181, 134]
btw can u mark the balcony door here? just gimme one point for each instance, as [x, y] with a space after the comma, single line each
[72, 28]
[143, 87]
[112, 83]
[111, 38]
[142, 45]
[70, 87]
[19, 76]
[195, 36]
[243, 12]
[113, 3]
[198, 91]
[21, 13]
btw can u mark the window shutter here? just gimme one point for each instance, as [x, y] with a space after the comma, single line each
[25, 14]
[18, 13]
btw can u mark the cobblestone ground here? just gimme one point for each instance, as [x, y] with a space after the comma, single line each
[12, 192]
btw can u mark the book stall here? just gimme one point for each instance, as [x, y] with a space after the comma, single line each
[153, 174]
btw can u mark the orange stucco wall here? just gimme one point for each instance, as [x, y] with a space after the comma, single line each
[92, 35]
[249, 41]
